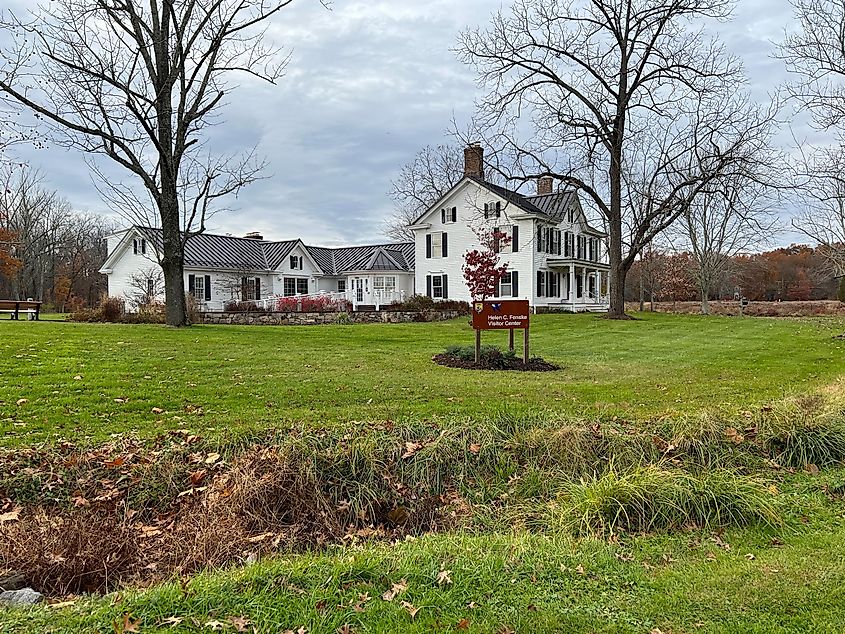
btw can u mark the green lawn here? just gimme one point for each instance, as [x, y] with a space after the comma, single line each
[508, 569]
[82, 380]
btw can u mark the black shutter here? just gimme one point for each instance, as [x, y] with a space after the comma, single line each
[454, 214]
[208, 288]
[443, 216]
[486, 211]
[135, 246]
[143, 246]
[497, 287]
[498, 210]
[497, 246]
[243, 289]
[514, 284]
[515, 238]
[428, 285]
[445, 281]
[428, 247]
[191, 284]
[539, 239]
[257, 288]
[559, 293]
[445, 248]
[539, 284]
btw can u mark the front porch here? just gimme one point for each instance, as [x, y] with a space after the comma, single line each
[584, 287]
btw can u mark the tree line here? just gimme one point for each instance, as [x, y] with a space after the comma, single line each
[48, 251]
[795, 273]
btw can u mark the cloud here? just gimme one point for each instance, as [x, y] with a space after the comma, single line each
[369, 83]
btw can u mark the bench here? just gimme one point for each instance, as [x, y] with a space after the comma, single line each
[15, 307]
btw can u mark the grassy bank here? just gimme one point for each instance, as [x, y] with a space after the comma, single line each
[79, 380]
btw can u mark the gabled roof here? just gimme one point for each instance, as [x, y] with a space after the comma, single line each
[207, 250]
[553, 206]
[379, 257]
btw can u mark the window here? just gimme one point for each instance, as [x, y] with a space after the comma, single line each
[553, 283]
[436, 245]
[341, 286]
[150, 288]
[438, 286]
[567, 244]
[449, 215]
[139, 246]
[302, 286]
[541, 284]
[289, 286]
[492, 210]
[386, 284]
[296, 262]
[199, 287]
[506, 285]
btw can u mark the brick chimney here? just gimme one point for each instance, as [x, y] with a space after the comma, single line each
[474, 161]
[545, 185]
[254, 235]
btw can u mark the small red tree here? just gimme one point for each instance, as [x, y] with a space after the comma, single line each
[482, 271]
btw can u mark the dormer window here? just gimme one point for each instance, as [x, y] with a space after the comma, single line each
[139, 246]
[449, 215]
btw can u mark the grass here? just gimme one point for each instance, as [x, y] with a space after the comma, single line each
[217, 379]
[659, 482]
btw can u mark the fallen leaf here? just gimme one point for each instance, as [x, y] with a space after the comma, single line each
[812, 469]
[410, 608]
[11, 516]
[212, 458]
[127, 625]
[750, 557]
[344, 629]
[734, 436]
[396, 590]
[580, 569]
[240, 623]
[197, 476]
[172, 621]
[157, 410]
[62, 604]
[411, 448]
[474, 448]
[443, 577]
[77, 378]
[463, 624]
[22, 401]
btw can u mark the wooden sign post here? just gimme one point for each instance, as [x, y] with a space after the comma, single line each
[508, 314]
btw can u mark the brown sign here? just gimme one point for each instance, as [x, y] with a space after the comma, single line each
[507, 314]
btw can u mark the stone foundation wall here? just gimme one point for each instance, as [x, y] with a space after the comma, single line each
[312, 319]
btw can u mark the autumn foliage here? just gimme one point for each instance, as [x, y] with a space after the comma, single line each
[9, 264]
[482, 270]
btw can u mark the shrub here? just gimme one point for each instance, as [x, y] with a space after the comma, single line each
[490, 355]
[423, 303]
[343, 319]
[650, 497]
[110, 309]
[237, 306]
[804, 430]
[316, 304]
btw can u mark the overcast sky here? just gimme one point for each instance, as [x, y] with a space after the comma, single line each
[370, 82]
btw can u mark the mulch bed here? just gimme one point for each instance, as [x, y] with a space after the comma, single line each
[535, 364]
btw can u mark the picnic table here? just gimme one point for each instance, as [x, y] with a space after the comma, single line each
[15, 307]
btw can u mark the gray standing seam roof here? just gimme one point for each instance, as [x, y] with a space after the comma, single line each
[230, 252]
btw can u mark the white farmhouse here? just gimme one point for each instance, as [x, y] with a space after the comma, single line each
[220, 269]
[556, 260]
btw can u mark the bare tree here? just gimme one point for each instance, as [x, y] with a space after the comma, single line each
[146, 288]
[140, 83]
[420, 183]
[815, 54]
[628, 102]
[733, 218]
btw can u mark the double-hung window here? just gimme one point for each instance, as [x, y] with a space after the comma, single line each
[438, 287]
[385, 283]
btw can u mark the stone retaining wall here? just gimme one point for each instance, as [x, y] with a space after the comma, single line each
[311, 319]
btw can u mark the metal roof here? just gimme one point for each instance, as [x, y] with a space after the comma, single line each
[209, 250]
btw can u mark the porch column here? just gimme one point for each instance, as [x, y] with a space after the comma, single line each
[570, 294]
[608, 285]
[585, 291]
